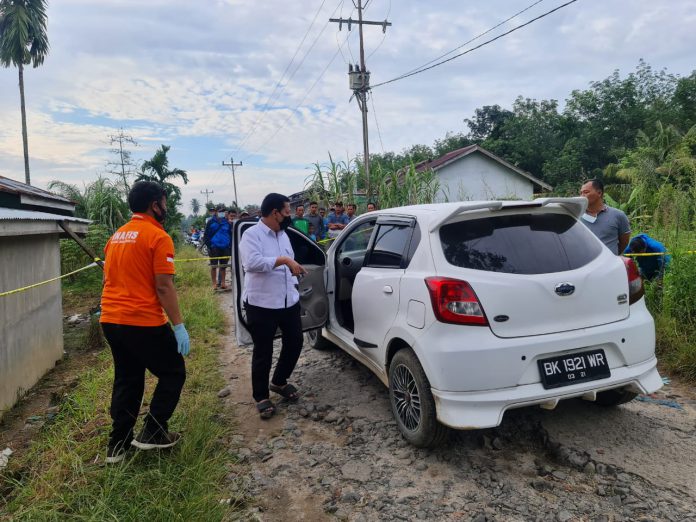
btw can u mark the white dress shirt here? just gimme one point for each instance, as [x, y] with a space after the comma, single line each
[264, 285]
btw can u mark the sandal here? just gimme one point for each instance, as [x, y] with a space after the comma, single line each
[288, 391]
[266, 409]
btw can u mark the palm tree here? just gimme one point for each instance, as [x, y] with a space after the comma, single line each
[157, 170]
[23, 41]
[195, 206]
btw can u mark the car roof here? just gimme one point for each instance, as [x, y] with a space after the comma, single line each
[433, 215]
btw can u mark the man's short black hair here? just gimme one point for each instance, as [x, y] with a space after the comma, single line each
[298, 206]
[143, 193]
[637, 244]
[338, 204]
[313, 203]
[597, 184]
[273, 201]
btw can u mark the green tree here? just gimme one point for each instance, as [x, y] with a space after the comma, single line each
[487, 122]
[157, 169]
[685, 99]
[23, 41]
[451, 141]
[195, 206]
[530, 136]
[101, 201]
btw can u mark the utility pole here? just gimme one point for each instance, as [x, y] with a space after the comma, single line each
[232, 165]
[206, 192]
[359, 80]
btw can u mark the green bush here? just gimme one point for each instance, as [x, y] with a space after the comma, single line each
[680, 289]
[73, 257]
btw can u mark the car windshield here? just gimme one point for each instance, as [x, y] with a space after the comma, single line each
[519, 243]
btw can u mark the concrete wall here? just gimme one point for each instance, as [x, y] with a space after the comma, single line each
[477, 177]
[31, 322]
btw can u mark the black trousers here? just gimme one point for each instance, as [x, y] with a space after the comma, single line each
[262, 324]
[135, 349]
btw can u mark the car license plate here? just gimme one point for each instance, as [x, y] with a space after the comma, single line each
[571, 369]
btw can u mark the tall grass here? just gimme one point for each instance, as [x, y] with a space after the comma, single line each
[346, 181]
[63, 475]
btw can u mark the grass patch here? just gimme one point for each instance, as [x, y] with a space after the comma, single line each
[62, 476]
[675, 346]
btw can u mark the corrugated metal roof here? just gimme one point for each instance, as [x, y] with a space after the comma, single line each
[17, 187]
[14, 214]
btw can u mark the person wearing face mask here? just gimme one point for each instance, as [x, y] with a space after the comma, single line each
[138, 302]
[272, 301]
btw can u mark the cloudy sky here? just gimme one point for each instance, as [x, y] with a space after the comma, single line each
[205, 78]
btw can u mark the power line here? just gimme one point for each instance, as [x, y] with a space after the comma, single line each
[273, 96]
[418, 71]
[384, 36]
[476, 37]
[374, 112]
[287, 120]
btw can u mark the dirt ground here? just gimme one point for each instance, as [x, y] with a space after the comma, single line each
[337, 454]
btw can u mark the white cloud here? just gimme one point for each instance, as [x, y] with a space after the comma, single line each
[171, 72]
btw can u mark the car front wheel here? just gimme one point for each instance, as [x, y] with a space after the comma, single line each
[412, 401]
[317, 341]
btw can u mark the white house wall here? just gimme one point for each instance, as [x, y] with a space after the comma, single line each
[477, 177]
[30, 322]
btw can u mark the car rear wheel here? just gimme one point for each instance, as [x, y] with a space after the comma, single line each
[412, 401]
[317, 341]
[615, 397]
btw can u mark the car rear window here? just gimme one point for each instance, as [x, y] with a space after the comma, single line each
[519, 243]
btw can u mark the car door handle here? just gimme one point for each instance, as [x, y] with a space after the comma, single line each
[388, 289]
[306, 292]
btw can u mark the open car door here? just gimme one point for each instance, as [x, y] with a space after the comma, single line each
[314, 302]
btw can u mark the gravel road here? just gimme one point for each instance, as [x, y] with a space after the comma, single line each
[337, 455]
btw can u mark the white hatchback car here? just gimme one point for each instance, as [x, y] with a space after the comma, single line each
[466, 310]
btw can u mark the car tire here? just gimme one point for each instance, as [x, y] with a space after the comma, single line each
[412, 401]
[317, 341]
[615, 397]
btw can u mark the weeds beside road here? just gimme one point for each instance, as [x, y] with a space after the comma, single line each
[63, 475]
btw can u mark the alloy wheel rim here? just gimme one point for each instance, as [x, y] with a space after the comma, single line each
[406, 398]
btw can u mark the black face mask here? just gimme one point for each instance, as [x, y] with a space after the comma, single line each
[162, 216]
[287, 221]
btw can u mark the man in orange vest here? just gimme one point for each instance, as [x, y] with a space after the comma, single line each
[138, 290]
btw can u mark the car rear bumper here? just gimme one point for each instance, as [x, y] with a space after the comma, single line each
[485, 409]
[472, 359]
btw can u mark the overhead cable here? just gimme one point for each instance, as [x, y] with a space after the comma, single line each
[423, 69]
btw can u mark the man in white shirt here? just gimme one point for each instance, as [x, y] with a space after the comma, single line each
[272, 301]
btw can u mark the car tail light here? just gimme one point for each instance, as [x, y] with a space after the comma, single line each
[454, 301]
[635, 282]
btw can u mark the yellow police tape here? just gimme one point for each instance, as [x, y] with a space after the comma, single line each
[686, 252]
[92, 265]
[17, 290]
[96, 260]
